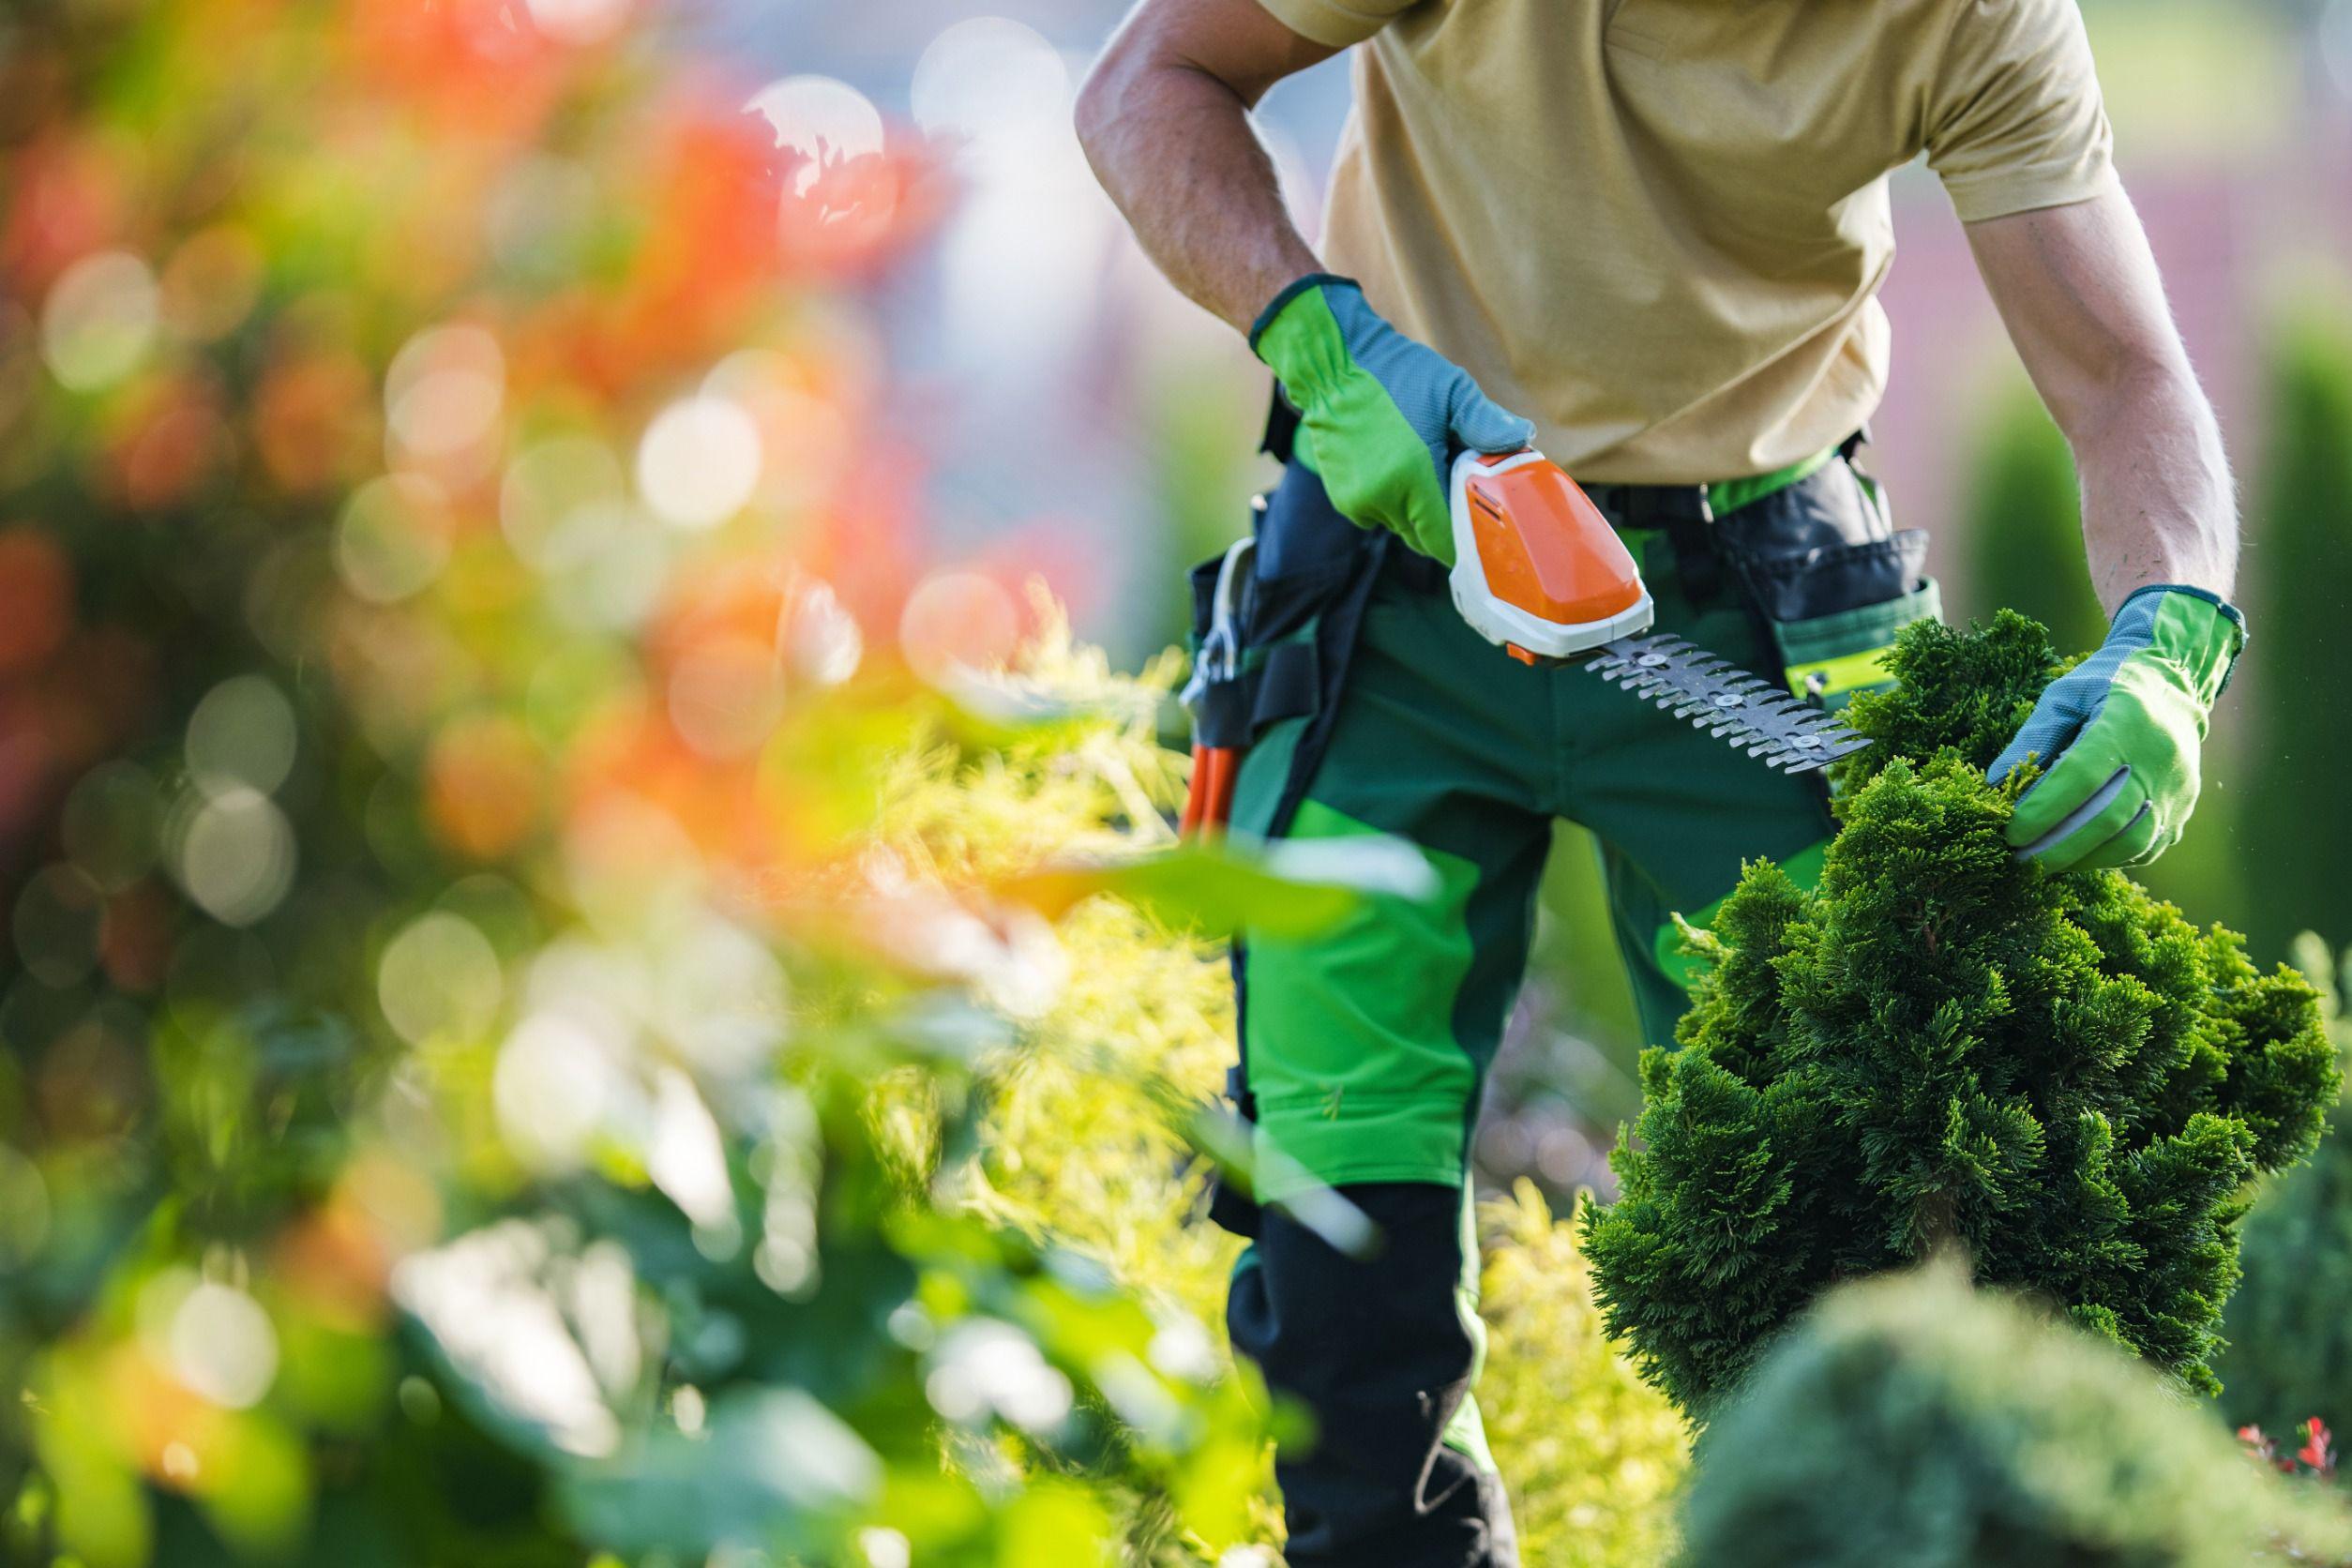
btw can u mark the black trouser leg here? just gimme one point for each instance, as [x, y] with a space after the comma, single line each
[1379, 1352]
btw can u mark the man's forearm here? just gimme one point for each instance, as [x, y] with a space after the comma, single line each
[1173, 145]
[2158, 505]
[2077, 286]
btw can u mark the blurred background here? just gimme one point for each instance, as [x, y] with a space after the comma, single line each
[496, 501]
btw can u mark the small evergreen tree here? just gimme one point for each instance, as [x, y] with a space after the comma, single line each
[1914, 1421]
[1944, 1045]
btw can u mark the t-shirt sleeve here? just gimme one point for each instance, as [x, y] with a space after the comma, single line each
[2016, 119]
[1336, 24]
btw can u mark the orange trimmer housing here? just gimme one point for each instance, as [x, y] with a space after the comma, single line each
[1537, 569]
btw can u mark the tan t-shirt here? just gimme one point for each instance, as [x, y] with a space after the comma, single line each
[1658, 227]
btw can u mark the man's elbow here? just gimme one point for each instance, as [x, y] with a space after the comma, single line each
[2131, 386]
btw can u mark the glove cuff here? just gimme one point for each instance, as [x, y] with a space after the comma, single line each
[1291, 292]
[2195, 628]
[1297, 334]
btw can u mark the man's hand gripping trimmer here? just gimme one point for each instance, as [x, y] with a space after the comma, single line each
[1539, 571]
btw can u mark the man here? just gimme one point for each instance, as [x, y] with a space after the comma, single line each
[1646, 235]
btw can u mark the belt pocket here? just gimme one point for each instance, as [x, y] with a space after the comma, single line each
[1836, 657]
[1271, 685]
[1265, 665]
[1833, 580]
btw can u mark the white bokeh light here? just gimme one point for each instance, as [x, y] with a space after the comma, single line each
[223, 1346]
[827, 122]
[985, 1366]
[241, 733]
[236, 856]
[699, 462]
[552, 1089]
[443, 391]
[579, 22]
[825, 644]
[484, 1299]
[988, 80]
[685, 1158]
[100, 320]
[439, 977]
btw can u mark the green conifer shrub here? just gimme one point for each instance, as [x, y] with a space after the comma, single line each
[1944, 1045]
[1913, 1420]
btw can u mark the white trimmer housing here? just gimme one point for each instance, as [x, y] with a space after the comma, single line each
[1536, 568]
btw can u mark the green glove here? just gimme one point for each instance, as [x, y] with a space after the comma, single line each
[2118, 735]
[1380, 417]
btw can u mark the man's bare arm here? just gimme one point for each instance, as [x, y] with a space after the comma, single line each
[2078, 288]
[1165, 121]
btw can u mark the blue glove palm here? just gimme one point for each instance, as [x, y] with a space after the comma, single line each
[2119, 735]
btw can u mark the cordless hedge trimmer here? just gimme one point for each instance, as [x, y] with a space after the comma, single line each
[1539, 571]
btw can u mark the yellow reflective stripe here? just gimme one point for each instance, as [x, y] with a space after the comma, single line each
[1842, 673]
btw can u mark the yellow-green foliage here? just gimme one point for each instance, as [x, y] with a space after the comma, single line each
[1591, 1452]
[1078, 1144]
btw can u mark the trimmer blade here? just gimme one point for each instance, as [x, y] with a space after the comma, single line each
[1745, 712]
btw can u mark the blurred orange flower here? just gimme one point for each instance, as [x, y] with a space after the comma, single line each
[36, 598]
[485, 783]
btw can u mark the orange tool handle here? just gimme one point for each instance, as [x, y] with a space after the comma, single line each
[1208, 798]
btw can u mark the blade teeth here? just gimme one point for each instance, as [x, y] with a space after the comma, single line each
[1768, 722]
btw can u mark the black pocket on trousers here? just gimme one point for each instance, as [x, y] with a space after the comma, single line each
[1824, 566]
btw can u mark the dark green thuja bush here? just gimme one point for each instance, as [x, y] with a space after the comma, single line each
[1945, 1046]
[1912, 1420]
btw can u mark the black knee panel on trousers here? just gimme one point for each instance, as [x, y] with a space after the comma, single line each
[1377, 1351]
